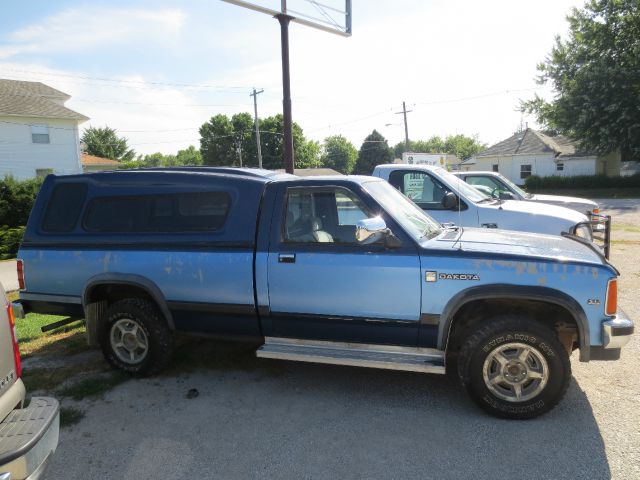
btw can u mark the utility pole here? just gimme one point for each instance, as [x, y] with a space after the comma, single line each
[284, 20]
[406, 129]
[255, 109]
[240, 151]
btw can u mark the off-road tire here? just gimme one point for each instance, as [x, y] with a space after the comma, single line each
[149, 319]
[501, 331]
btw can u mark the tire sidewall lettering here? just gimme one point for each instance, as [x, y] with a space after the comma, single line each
[511, 337]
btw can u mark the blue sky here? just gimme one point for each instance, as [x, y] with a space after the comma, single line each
[461, 65]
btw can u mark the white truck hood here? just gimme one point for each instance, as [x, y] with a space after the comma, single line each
[528, 216]
[576, 203]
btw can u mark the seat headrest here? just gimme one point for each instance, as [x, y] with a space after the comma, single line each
[316, 224]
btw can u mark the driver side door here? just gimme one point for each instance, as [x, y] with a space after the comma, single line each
[324, 285]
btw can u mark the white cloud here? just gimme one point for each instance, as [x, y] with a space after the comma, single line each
[425, 53]
[151, 117]
[76, 30]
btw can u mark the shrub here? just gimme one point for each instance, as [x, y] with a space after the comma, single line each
[581, 182]
[10, 239]
[16, 200]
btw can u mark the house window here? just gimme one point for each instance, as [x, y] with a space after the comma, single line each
[43, 172]
[40, 133]
[494, 167]
[525, 171]
[559, 167]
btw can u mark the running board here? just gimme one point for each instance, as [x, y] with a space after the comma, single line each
[410, 359]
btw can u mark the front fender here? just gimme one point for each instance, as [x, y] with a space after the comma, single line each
[515, 292]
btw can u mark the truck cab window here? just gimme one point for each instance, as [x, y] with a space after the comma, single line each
[420, 187]
[322, 215]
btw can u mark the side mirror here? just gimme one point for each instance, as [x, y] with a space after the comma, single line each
[370, 230]
[449, 201]
[506, 195]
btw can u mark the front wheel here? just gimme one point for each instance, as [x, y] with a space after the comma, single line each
[514, 367]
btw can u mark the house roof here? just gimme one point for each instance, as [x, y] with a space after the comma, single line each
[92, 160]
[34, 99]
[533, 142]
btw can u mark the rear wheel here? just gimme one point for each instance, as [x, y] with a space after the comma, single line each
[514, 367]
[135, 337]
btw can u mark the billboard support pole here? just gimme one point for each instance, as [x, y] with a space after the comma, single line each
[286, 93]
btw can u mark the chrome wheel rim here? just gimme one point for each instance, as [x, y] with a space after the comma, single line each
[515, 372]
[129, 341]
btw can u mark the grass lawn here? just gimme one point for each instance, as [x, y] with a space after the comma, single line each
[68, 339]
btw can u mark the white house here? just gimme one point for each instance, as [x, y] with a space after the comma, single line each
[38, 134]
[533, 153]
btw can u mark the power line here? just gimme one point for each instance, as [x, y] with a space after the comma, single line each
[351, 121]
[51, 127]
[476, 97]
[133, 82]
[242, 132]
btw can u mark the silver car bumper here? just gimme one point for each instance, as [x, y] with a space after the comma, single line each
[617, 332]
[28, 438]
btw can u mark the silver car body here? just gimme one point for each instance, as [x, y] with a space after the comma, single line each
[494, 180]
[28, 433]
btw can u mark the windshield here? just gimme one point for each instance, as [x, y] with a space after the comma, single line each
[461, 186]
[515, 188]
[411, 217]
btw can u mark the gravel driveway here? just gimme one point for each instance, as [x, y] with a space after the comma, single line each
[271, 419]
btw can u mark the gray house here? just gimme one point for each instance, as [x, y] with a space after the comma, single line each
[533, 153]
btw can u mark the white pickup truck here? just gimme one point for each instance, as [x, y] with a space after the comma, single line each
[449, 199]
[28, 434]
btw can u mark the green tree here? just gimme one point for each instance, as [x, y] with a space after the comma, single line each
[189, 156]
[339, 153]
[224, 140]
[105, 142]
[306, 153]
[374, 151]
[595, 73]
[461, 146]
[223, 137]
[434, 145]
[217, 143]
[16, 199]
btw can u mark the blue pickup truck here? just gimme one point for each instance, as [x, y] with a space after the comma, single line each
[340, 270]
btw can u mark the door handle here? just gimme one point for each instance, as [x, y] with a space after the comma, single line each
[287, 258]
